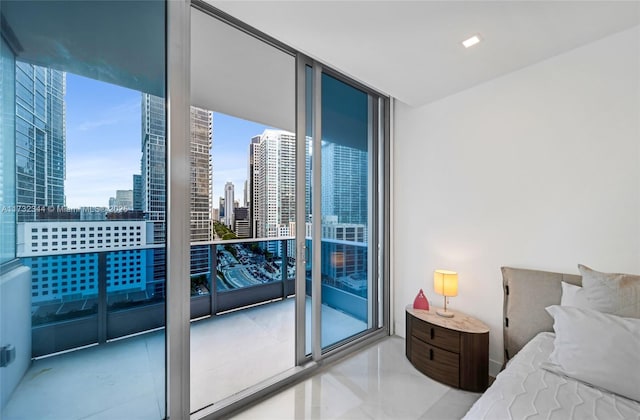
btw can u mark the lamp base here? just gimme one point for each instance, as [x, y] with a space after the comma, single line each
[445, 314]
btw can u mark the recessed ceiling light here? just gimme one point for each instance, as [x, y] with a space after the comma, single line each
[471, 41]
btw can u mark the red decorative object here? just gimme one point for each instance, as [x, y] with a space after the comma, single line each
[421, 301]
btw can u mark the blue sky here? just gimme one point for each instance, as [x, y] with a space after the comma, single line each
[103, 140]
[104, 149]
[231, 137]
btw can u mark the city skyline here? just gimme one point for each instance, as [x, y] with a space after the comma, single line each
[266, 170]
[103, 143]
[231, 141]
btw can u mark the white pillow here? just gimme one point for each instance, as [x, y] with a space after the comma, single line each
[573, 295]
[612, 293]
[597, 348]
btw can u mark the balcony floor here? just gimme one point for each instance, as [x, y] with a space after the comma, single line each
[124, 379]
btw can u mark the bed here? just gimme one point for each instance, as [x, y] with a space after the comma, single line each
[529, 386]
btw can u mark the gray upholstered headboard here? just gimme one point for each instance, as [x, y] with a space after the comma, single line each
[526, 294]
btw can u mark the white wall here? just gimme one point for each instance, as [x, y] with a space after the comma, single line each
[15, 327]
[536, 169]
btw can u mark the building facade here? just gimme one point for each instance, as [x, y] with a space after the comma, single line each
[201, 174]
[251, 190]
[64, 257]
[154, 181]
[137, 192]
[123, 201]
[344, 246]
[40, 141]
[60, 237]
[273, 183]
[153, 164]
[242, 223]
[344, 217]
[344, 183]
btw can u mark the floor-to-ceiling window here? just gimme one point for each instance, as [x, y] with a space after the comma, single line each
[341, 153]
[89, 167]
[245, 79]
[83, 209]
[244, 91]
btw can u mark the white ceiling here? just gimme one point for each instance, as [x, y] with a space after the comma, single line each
[411, 49]
[236, 74]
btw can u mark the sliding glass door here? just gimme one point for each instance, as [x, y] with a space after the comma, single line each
[345, 207]
[341, 122]
[242, 211]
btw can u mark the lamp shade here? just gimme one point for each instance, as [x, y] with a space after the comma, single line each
[445, 282]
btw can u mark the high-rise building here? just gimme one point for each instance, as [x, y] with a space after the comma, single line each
[274, 182]
[40, 139]
[201, 174]
[344, 216]
[201, 183]
[241, 222]
[344, 183]
[221, 210]
[351, 232]
[154, 181]
[245, 194]
[137, 192]
[251, 178]
[153, 164]
[228, 204]
[123, 201]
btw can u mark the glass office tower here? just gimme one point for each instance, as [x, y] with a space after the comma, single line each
[40, 139]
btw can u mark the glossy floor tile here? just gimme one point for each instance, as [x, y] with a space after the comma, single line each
[121, 378]
[230, 353]
[376, 383]
[125, 379]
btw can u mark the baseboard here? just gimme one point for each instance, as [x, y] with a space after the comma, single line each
[494, 367]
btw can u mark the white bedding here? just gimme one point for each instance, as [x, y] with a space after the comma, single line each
[524, 390]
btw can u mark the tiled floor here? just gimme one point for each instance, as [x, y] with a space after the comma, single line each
[376, 383]
[240, 349]
[125, 379]
[119, 380]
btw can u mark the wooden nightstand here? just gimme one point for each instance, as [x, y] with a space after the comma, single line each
[454, 351]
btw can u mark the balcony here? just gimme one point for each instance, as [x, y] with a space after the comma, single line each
[102, 355]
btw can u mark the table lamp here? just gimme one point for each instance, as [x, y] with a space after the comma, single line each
[445, 283]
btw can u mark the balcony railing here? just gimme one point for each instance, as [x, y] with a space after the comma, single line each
[88, 298]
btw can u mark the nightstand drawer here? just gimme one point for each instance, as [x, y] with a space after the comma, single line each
[437, 336]
[441, 365]
[454, 351]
